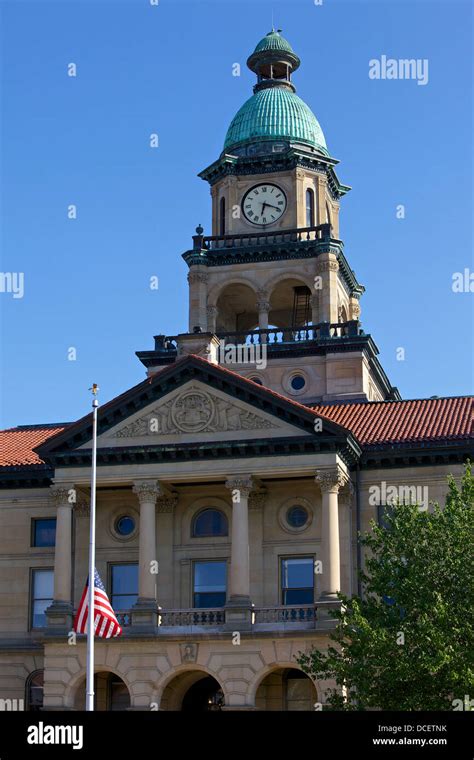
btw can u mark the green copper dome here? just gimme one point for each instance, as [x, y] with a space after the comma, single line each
[275, 113]
[273, 41]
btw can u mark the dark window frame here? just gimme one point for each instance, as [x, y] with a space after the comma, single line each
[35, 520]
[110, 592]
[222, 561]
[222, 220]
[310, 207]
[285, 557]
[33, 599]
[28, 681]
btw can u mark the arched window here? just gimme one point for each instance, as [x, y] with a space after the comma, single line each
[222, 217]
[210, 522]
[310, 208]
[34, 691]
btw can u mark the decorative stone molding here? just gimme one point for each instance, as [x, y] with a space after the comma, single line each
[262, 295]
[243, 483]
[212, 311]
[60, 494]
[194, 277]
[355, 310]
[257, 500]
[147, 490]
[327, 266]
[194, 411]
[189, 652]
[166, 504]
[346, 494]
[263, 306]
[82, 508]
[332, 479]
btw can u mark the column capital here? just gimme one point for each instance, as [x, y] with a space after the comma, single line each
[242, 483]
[331, 479]
[147, 490]
[263, 305]
[63, 494]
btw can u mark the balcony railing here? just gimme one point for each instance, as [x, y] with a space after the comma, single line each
[280, 335]
[306, 616]
[192, 617]
[276, 237]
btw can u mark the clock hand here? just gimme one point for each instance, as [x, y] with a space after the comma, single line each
[272, 206]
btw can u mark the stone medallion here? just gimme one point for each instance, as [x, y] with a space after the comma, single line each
[191, 412]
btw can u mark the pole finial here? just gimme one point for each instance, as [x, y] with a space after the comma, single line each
[95, 389]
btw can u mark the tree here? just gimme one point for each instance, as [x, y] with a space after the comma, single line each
[408, 642]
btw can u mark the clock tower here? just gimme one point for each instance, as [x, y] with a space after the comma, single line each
[272, 278]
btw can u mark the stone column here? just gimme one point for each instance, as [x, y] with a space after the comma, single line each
[59, 614]
[211, 318]
[314, 303]
[330, 481]
[239, 581]
[197, 279]
[263, 306]
[327, 267]
[145, 611]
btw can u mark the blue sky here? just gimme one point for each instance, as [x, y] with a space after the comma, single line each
[168, 69]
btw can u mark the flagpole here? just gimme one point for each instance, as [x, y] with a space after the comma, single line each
[91, 612]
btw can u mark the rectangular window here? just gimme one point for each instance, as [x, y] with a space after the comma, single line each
[124, 586]
[384, 511]
[41, 596]
[43, 532]
[209, 584]
[297, 580]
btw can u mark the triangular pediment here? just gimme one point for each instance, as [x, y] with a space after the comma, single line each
[193, 409]
[195, 412]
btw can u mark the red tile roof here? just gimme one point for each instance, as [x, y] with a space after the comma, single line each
[17, 444]
[392, 422]
[372, 423]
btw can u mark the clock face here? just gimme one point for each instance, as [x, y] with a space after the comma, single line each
[264, 204]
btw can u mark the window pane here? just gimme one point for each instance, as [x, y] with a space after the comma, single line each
[43, 583]
[210, 584]
[124, 579]
[121, 602]
[209, 600]
[297, 573]
[298, 596]
[44, 532]
[210, 522]
[39, 617]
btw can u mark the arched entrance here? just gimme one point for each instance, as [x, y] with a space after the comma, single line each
[111, 693]
[193, 691]
[286, 689]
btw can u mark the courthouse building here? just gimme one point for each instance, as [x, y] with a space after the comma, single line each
[233, 480]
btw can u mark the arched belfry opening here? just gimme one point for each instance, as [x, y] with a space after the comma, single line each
[236, 309]
[290, 305]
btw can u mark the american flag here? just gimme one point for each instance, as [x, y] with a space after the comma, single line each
[106, 624]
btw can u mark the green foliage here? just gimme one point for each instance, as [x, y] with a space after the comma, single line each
[419, 582]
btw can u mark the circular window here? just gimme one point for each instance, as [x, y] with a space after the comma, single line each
[257, 380]
[297, 382]
[125, 525]
[297, 516]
